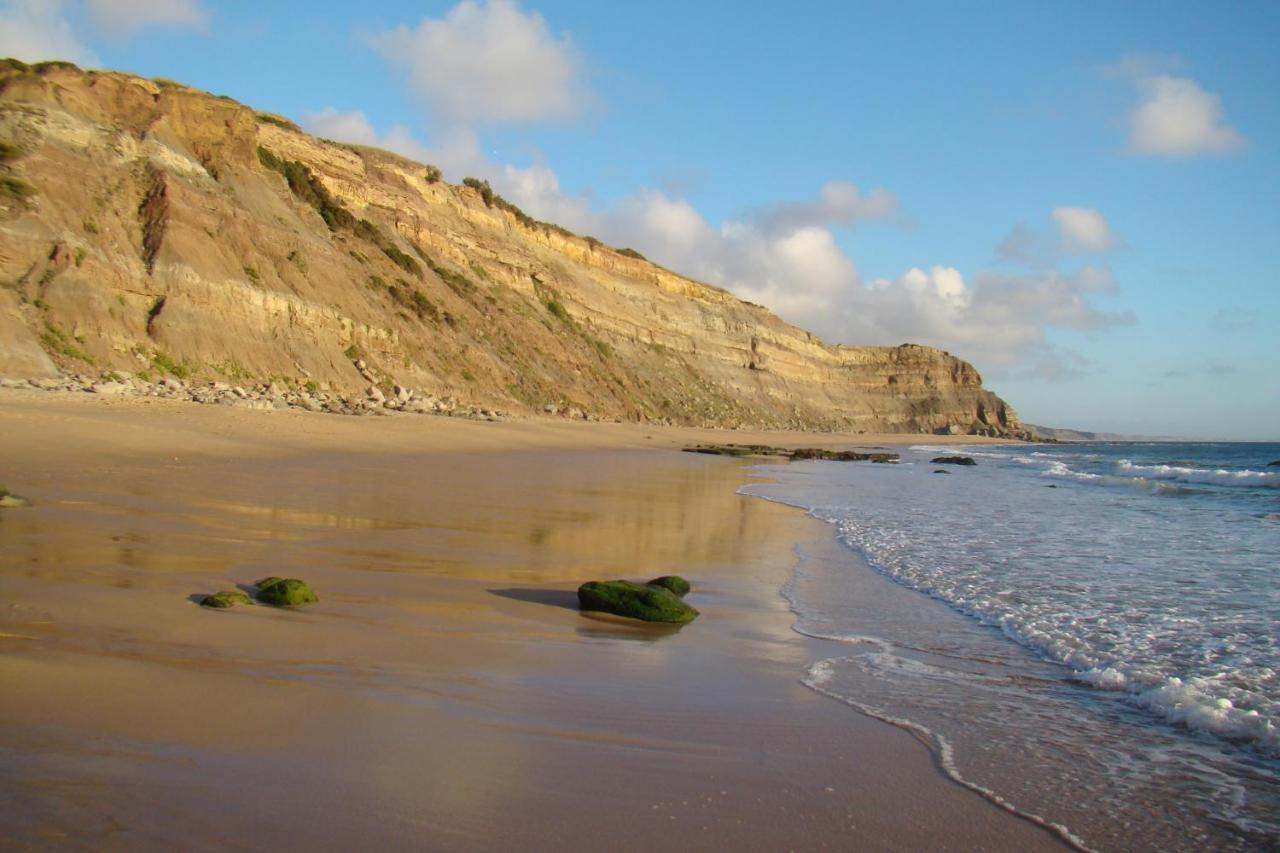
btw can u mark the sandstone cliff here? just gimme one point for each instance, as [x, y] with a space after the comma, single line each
[147, 227]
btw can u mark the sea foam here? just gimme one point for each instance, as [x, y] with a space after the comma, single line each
[1164, 611]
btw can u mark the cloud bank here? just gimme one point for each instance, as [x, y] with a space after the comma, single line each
[486, 62]
[37, 30]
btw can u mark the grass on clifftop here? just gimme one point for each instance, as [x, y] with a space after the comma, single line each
[278, 121]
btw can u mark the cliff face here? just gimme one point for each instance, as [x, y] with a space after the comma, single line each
[148, 227]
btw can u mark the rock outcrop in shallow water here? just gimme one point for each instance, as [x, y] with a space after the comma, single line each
[953, 460]
[800, 453]
[152, 230]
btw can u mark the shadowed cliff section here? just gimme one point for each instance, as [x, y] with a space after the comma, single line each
[147, 227]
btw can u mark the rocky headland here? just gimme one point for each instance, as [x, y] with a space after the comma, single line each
[159, 240]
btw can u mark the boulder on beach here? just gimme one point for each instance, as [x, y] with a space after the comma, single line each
[675, 583]
[940, 471]
[635, 600]
[226, 598]
[284, 592]
[953, 460]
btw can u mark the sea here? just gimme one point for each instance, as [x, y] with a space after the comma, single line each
[1086, 634]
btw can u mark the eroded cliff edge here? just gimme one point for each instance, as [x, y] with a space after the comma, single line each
[147, 227]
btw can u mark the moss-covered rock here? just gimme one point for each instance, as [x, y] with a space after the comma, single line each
[226, 598]
[675, 583]
[635, 600]
[284, 592]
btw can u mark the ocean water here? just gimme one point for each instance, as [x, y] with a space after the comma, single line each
[1098, 650]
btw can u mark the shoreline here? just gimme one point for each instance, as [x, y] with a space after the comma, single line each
[896, 602]
[445, 692]
[934, 636]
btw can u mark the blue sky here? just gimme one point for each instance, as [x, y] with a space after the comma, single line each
[1081, 199]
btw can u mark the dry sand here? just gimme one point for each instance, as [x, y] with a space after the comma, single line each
[444, 693]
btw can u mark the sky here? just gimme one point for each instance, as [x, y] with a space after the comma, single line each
[1083, 200]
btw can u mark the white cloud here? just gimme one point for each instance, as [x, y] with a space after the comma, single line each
[487, 62]
[1025, 247]
[330, 123]
[354, 127]
[669, 226]
[121, 18]
[536, 190]
[1083, 229]
[1177, 118]
[1001, 321]
[1080, 230]
[840, 202]
[35, 30]
[801, 275]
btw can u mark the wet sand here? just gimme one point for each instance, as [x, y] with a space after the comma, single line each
[445, 693]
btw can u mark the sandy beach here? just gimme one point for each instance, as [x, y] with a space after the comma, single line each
[445, 693]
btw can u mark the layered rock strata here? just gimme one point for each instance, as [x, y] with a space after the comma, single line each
[152, 230]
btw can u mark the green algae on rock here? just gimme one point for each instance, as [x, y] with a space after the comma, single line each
[226, 598]
[674, 583]
[284, 592]
[635, 600]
